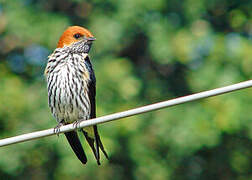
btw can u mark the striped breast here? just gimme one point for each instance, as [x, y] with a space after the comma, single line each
[67, 85]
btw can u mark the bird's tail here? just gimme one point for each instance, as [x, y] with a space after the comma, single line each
[75, 143]
[92, 136]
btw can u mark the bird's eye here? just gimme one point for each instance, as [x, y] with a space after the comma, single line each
[77, 36]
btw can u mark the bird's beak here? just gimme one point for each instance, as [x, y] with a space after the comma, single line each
[90, 38]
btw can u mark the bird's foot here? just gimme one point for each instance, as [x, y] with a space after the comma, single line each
[57, 128]
[76, 124]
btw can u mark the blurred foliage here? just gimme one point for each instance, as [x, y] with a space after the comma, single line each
[146, 51]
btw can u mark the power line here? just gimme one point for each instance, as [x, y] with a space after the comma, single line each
[140, 110]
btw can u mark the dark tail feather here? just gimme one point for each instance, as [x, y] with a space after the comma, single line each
[99, 143]
[91, 144]
[75, 143]
[95, 144]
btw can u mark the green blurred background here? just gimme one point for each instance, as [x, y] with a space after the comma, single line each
[146, 51]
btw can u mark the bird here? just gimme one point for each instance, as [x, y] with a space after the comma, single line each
[71, 86]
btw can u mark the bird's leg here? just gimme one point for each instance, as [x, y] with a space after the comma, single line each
[57, 128]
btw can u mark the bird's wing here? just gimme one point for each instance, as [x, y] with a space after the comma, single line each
[91, 95]
[92, 90]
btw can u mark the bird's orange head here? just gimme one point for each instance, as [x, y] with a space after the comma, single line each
[74, 34]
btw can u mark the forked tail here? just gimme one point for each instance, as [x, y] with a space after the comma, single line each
[95, 143]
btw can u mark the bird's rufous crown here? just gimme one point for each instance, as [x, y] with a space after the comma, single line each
[67, 38]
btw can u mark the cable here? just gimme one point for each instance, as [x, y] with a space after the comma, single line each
[119, 115]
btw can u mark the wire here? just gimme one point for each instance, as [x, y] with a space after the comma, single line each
[119, 115]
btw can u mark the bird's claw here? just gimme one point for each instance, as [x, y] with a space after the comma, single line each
[57, 129]
[76, 124]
